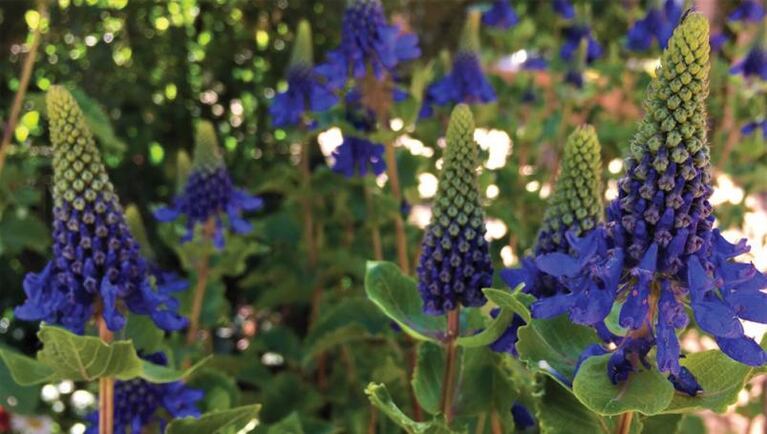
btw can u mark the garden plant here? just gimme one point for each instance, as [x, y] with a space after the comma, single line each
[383, 216]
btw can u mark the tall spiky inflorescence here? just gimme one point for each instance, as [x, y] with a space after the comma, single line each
[209, 192]
[140, 404]
[466, 82]
[97, 265]
[367, 41]
[306, 91]
[575, 207]
[661, 251]
[455, 262]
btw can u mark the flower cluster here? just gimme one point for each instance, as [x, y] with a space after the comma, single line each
[455, 261]
[754, 64]
[576, 36]
[564, 9]
[466, 82]
[209, 192]
[306, 92]
[748, 10]
[500, 15]
[357, 156]
[367, 40]
[575, 207]
[752, 126]
[658, 24]
[97, 265]
[660, 232]
[138, 403]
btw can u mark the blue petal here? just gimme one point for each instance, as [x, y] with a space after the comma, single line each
[558, 264]
[717, 318]
[552, 306]
[166, 214]
[743, 349]
[112, 316]
[685, 382]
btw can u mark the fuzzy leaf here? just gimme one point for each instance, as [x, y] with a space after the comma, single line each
[86, 358]
[428, 375]
[397, 296]
[24, 370]
[557, 342]
[721, 378]
[646, 391]
[216, 422]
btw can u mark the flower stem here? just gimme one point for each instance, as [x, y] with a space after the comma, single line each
[26, 74]
[106, 388]
[374, 230]
[399, 224]
[203, 269]
[624, 423]
[448, 383]
[309, 239]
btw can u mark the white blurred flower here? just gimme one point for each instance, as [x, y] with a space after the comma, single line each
[32, 424]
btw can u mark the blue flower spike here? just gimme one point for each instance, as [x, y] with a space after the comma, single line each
[466, 82]
[140, 404]
[500, 15]
[307, 92]
[367, 40]
[575, 207]
[97, 266]
[663, 221]
[357, 156]
[657, 25]
[455, 261]
[209, 193]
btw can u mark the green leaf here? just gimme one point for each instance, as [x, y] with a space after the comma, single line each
[380, 398]
[289, 425]
[557, 342]
[646, 391]
[427, 376]
[665, 423]
[508, 300]
[217, 422]
[474, 380]
[559, 412]
[348, 320]
[24, 370]
[86, 358]
[146, 336]
[221, 391]
[721, 378]
[397, 296]
[163, 374]
[17, 399]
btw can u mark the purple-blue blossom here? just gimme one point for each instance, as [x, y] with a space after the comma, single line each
[753, 65]
[749, 11]
[750, 127]
[97, 266]
[500, 15]
[357, 156]
[209, 193]
[657, 25]
[466, 82]
[367, 40]
[140, 404]
[455, 263]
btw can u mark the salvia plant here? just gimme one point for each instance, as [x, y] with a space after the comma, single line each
[486, 217]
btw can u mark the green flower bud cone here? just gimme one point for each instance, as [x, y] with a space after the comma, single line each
[470, 35]
[576, 204]
[455, 262]
[303, 54]
[183, 167]
[78, 173]
[137, 228]
[663, 198]
[207, 154]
